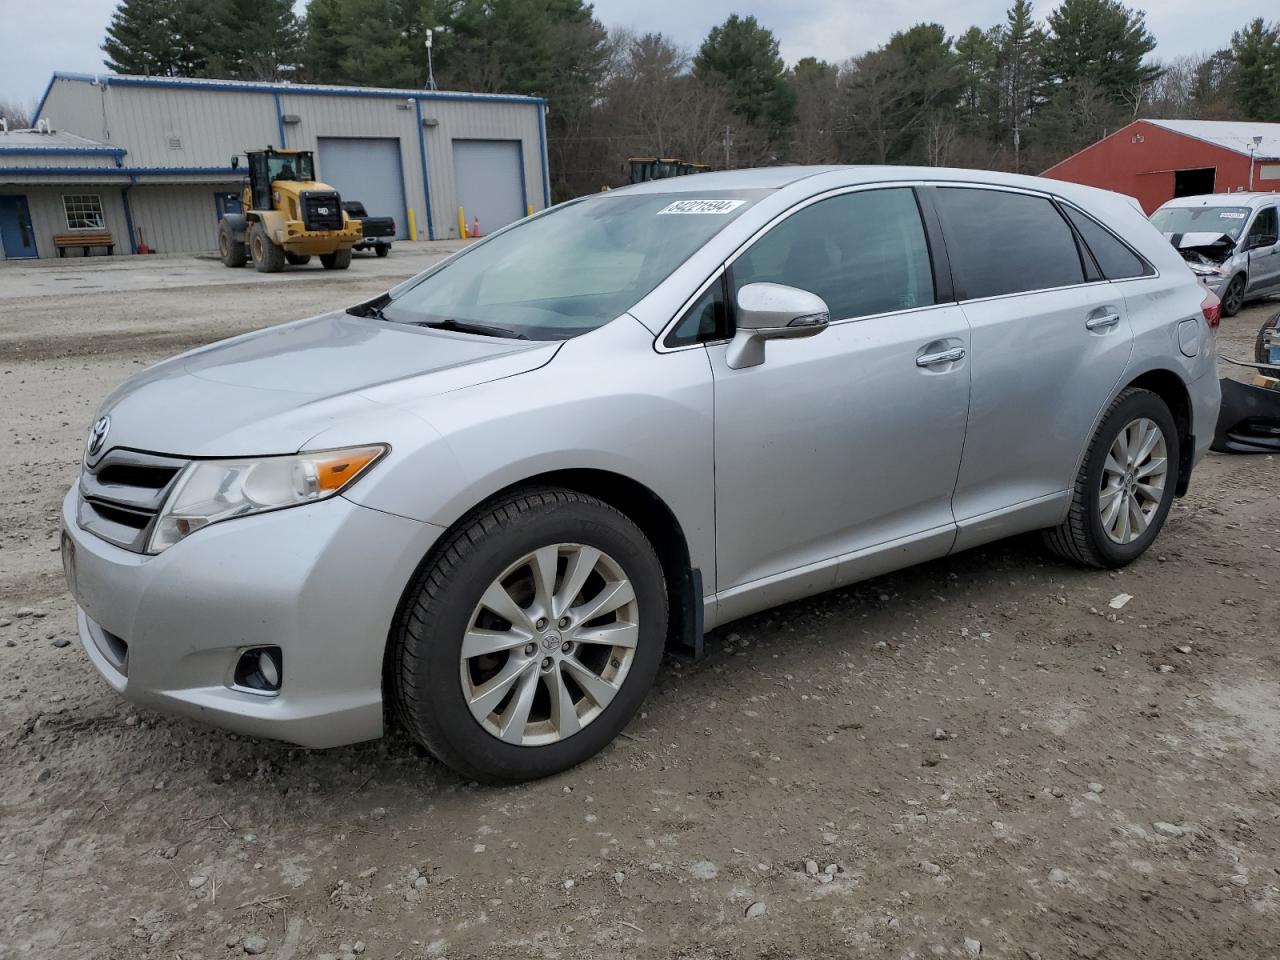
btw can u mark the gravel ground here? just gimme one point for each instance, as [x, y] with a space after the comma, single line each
[976, 757]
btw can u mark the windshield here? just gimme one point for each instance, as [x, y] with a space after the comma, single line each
[571, 270]
[1228, 220]
[290, 166]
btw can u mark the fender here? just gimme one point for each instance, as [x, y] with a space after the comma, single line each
[238, 224]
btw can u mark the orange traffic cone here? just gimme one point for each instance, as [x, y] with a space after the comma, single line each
[475, 227]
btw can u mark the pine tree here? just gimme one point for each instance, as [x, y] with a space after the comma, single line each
[1255, 79]
[743, 56]
[260, 39]
[140, 38]
[1102, 42]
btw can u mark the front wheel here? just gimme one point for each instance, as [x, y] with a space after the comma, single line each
[530, 641]
[1125, 486]
[338, 260]
[1233, 296]
[267, 257]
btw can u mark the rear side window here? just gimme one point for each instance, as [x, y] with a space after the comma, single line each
[1114, 257]
[1002, 243]
[864, 253]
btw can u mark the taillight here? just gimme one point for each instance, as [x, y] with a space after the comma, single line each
[1211, 307]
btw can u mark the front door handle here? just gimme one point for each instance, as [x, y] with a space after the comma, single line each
[946, 356]
[1101, 323]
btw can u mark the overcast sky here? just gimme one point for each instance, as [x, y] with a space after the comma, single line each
[64, 35]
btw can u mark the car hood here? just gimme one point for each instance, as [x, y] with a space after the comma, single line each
[272, 390]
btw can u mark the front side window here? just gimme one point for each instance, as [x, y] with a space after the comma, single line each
[1001, 243]
[296, 166]
[1264, 226]
[83, 211]
[1214, 220]
[707, 320]
[864, 253]
[571, 270]
[1114, 257]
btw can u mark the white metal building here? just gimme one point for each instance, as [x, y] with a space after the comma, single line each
[148, 159]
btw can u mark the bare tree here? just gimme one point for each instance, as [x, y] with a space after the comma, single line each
[15, 114]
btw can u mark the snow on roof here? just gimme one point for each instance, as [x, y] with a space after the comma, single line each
[1234, 135]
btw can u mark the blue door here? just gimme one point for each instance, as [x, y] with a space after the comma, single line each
[227, 203]
[16, 235]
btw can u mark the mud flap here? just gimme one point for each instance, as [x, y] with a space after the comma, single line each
[687, 639]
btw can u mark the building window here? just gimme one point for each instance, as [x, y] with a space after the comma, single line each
[84, 211]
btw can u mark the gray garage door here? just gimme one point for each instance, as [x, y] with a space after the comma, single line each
[489, 181]
[366, 169]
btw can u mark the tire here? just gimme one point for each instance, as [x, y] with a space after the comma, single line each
[338, 260]
[231, 251]
[297, 259]
[1233, 296]
[427, 670]
[267, 257]
[1260, 353]
[382, 249]
[1083, 537]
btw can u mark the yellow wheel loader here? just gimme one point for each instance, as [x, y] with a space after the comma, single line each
[288, 216]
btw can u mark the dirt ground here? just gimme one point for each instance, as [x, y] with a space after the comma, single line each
[976, 757]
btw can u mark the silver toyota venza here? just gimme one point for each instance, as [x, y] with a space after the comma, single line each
[492, 495]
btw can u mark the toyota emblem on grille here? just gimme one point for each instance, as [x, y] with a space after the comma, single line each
[98, 436]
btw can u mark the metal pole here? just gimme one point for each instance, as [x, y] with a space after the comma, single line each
[1251, 148]
[431, 76]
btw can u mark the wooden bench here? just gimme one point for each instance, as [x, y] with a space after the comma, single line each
[87, 240]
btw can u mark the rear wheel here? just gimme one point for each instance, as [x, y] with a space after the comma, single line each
[267, 257]
[338, 260]
[1125, 486]
[1233, 296]
[230, 249]
[533, 637]
[382, 249]
[297, 259]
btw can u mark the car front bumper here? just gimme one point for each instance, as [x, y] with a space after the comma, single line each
[321, 582]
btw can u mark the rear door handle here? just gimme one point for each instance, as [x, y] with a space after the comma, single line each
[947, 356]
[1101, 323]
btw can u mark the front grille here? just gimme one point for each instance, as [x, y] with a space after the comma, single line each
[321, 210]
[121, 494]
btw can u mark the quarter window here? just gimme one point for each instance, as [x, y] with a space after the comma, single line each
[1001, 243]
[83, 211]
[864, 253]
[705, 321]
[1114, 257]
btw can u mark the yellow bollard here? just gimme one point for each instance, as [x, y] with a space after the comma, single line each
[462, 224]
[530, 210]
[413, 226]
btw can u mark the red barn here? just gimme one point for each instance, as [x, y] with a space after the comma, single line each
[1157, 160]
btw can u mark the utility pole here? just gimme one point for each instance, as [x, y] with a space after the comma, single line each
[1253, 146]
[728, 146]
[431, 76]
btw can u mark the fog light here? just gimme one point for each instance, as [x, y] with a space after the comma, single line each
[259, 669]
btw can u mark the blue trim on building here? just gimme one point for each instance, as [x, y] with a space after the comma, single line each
[121, 171]
[524, 187]
[128, 215]
[426, 179]
[280, 121]
[292, 88]
[542, 143]
[66, 151]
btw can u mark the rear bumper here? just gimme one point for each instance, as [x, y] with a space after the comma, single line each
[321, 582]
[1249, 421]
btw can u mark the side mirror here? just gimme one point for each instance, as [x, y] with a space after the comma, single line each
[772, 311]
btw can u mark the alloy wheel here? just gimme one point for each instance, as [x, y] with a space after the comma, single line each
[1133, 480]
[550, 644]
[1233, 297]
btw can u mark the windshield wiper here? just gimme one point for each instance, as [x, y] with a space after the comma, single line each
[466, 326]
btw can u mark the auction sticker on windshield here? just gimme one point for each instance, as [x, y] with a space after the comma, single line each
[1231, 215]
[702, 206]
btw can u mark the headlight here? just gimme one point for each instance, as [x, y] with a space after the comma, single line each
[208, 491]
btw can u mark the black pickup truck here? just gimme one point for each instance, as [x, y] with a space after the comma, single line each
[377, 232]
